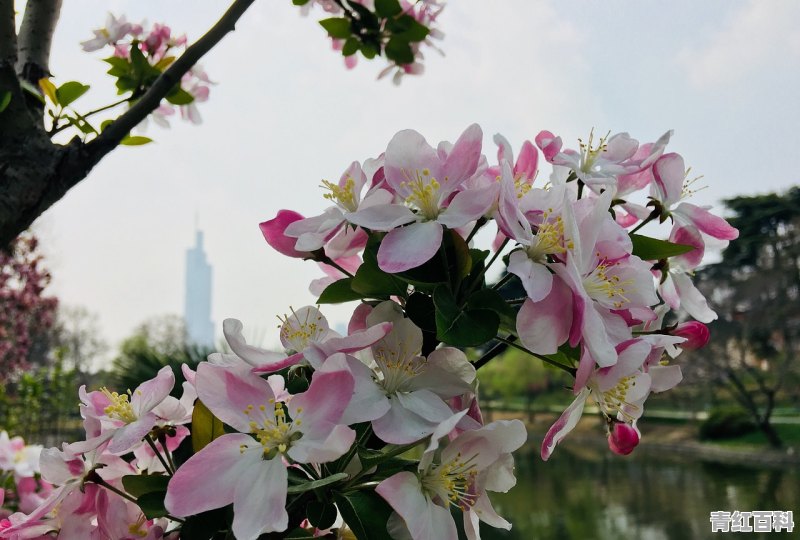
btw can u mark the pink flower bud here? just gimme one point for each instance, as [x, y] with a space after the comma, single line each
[622, 438]
[696, 334]
[273, 233]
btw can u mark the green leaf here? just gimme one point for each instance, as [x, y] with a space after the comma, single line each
[120, 67]
[70, 91]
[368, 51]
[205, 426]
[32, 90]
[152, 504]
[321, 515]
[491, 300]
[652, 249]
[370, 281]
[5, 99]
[387, 8]
[139, 484]
[135, 140]
[351, 46]
[399, 51]
[365, 512]
[338, 292]
[307, 486]
[462, 328]
[422, 312]
[408, 28]
[337, 27]
[179, 96]
[300, 2]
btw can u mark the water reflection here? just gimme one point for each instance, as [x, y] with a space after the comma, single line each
[586, 493]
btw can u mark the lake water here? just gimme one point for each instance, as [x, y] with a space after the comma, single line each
[587, 493]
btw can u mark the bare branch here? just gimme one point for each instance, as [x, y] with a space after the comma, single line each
[8, 33]
[36, 37]
[114, 133]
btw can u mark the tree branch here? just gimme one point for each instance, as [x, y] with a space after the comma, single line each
[36, 38]
[8, 33]
[117, 130]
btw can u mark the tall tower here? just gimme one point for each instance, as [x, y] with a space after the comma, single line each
[197, 308]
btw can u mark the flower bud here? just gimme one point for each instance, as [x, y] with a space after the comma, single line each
[622, 438]
[696, 334]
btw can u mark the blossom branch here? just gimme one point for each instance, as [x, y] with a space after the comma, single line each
[119, 128]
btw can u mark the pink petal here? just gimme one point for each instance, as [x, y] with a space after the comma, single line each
[565, 423]
[669, 172]
[468, 205]
[228, 394]
[707, 222]
[536, 278]
[323, 450]
[195, 488]
[407, 153]
[325, 400]
[150, 393]
[265, 361]
[382, 217]
[691, 237]
[424, 519]
[273, 231]
[544, 326]
[259, 500]
[462, 161]
[409, 247]
[528, 161]
[128, 436]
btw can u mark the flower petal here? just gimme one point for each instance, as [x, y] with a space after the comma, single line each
[409, 247]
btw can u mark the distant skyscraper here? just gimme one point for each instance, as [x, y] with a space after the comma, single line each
[197, 309]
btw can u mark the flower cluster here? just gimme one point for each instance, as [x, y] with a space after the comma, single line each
[396, 29]
[140, 55]
[21, 486]
[377, 431]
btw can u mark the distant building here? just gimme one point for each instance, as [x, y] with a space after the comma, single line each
[197, 308]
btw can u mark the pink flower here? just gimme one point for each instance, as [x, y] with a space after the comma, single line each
[473, 463]
[427, 181]
[114, 30]
[619, 390]
[248, 468]
[670, 186]
[306, 336]
[125, 419]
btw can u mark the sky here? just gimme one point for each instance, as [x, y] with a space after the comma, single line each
[285, 114]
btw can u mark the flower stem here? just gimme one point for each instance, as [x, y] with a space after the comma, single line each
[544, 359]
[149, 439]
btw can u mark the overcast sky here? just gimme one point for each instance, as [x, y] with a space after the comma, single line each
[286, 114]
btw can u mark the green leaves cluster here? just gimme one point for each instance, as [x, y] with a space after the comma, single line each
[385, 31]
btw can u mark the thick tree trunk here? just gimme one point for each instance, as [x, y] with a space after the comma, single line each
[769, 432]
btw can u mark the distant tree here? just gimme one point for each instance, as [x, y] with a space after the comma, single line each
[26, 314]
[77, 335]
[158, 342]
[756, 292]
